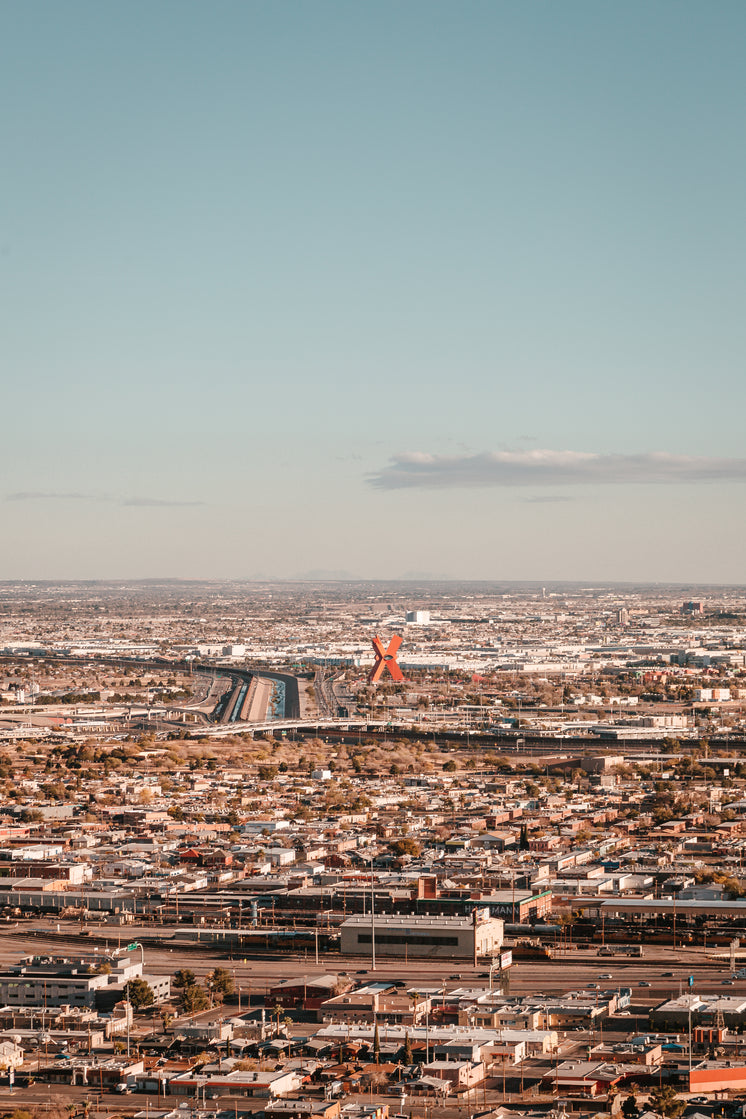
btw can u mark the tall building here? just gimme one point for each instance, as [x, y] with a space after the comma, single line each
[418, 617]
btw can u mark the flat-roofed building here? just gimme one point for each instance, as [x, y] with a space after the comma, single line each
[518, 905]
[705, 1009]
[718, 1076]
[86, 981]
[429, 937]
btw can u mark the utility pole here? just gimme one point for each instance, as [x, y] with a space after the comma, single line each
[372, 919]
[474, 920]
[689, 1085]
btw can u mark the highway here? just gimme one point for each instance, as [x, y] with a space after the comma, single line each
[326, 698]
[577, 970]
[574, 971]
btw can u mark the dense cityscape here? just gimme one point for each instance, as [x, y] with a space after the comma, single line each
[360, 849]
[372, 599]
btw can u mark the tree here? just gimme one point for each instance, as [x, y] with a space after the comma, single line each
[377, 1079]
[277, 1010]
[32, 816]
[376, 1046]
[193, 999]
[139, 993]
[665, 1101]
[220, 983]
[450, 766]
[184, 978]
[407, 1052]
[629, 1107]
[523, 843]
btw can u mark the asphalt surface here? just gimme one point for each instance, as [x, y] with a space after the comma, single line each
[575, 970]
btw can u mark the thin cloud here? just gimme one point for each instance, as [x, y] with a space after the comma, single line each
[107, 499]
[43, 495]
[547, 499]
[552, 468]
[160, 503]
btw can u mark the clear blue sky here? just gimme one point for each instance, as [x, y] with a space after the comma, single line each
[281, 283]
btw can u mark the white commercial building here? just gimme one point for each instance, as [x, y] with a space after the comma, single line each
[429, 937]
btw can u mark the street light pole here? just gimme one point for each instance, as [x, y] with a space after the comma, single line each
[372, 919]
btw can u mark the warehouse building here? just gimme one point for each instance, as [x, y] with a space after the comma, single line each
[429, 937]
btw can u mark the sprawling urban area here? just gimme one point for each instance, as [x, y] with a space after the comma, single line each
[366, 850]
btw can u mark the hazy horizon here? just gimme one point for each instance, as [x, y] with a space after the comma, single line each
[373, 291]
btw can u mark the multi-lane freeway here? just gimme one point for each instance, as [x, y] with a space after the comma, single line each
[662, 974]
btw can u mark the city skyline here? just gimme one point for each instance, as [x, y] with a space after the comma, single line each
[373, 291]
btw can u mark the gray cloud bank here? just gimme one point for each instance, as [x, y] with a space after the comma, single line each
[552, 468]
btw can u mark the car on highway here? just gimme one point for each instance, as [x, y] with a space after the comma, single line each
[668, 975]
[643, 983]
[592, 986]
[606, 975]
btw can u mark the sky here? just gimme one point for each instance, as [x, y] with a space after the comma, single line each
[364, 288]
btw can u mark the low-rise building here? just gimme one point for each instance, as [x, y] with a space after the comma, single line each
[434, 937]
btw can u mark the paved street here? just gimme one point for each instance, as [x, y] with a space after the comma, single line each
[574, 970]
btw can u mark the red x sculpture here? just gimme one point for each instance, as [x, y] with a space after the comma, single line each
[386, 659]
